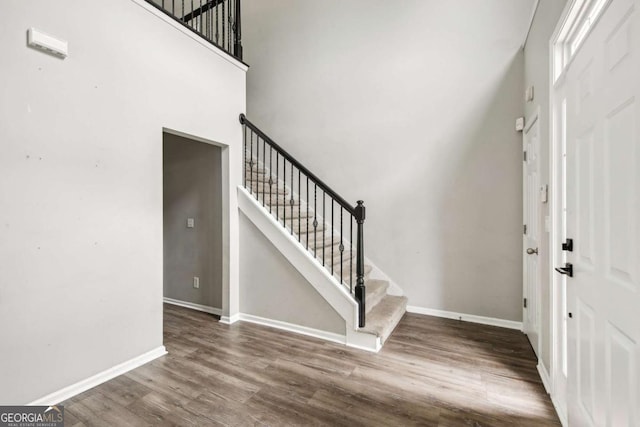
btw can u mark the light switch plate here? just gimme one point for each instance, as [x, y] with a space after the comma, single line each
[191, 223]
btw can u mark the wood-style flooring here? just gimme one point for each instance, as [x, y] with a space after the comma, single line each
[431, 372]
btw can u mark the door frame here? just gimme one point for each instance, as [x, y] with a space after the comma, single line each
[530, 122]
[577, 20]
[230, 288]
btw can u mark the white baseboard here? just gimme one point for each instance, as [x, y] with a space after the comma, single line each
[561, 415]
[230, 320]
[544, 376]
[104, 376]
[465, 317]
[290, 327]
[193, 306]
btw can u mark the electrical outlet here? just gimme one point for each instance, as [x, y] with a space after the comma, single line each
[196, 282]
[191, 223]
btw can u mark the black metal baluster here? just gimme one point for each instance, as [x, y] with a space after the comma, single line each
[271, 177]
[291, 201]
[332, 200]
[227, 45]
[173, 7]
[237, 48]
[223, 23]
[250, 161]
[200, 28]
[299, 206]
[360, 289]
[341, 247]
[351, 254]
[264, 162]
[217, 19]
[260, 178]
[182, 16]
[245, 156]
[284, 197]
[191, 14]
[162, 4]
[324, 221]
[315, 220]
[307, 215]
[278, 178]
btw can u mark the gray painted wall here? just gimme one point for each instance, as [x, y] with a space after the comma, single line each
[81, 187]
[192, 179]
[411, 107]
[271, 287]
[536, 72]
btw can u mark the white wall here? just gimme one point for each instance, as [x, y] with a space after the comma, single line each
[536, 74]
[81, 187]
[192, 178]
[272, 288]
[409, 106]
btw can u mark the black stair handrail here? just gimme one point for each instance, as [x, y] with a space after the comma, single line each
[217, 21]
[298, 165]
[357, 213]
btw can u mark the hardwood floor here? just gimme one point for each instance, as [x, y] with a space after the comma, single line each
[431, 372]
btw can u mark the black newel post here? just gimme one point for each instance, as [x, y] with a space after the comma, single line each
[237, 44]
[360, 289]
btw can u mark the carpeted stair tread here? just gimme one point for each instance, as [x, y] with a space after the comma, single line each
[384, 316]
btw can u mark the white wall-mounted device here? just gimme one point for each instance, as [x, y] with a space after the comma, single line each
[529, 94]
[520, 124]
[50, 44]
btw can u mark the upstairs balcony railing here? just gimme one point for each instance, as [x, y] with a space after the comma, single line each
[217, 21]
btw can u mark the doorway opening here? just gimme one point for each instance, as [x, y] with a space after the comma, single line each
[193, 216]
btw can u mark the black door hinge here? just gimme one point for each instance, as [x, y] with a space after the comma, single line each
[524, 229]
[525, 303]
[524, 156]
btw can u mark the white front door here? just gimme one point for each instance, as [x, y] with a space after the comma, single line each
[603, 219]
[531, 239]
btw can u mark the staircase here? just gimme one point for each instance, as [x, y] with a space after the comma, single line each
[323, 225]
[319, 232]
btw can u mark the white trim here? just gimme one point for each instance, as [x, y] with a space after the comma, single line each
[544, 376]
[290, 327]
[104, 376]
[510, 324]
[222, 54]
[322, 281]
[534, 9]
[533, 119]
[230, 320]
[562, 416]
[193, 306]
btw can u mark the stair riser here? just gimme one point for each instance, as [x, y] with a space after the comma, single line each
[267, 190]
[280, 201]
[280, 211]
[303, 228]
[371, 300]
